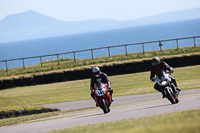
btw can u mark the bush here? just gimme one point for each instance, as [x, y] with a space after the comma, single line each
[27, 111]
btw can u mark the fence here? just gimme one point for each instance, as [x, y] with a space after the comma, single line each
[108, 49]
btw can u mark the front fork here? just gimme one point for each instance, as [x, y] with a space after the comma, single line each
[98, 100]
[171, 85]
[174, 88]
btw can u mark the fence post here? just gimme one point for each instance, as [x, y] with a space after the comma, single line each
[126, 50]
[41, 60]
[58, 59]
[92, 53]
[6, 65]
[143, 47]
[160, 44]
[177, 44]
[194, 42]
[109, 51]
[74, 56]
[23, 64]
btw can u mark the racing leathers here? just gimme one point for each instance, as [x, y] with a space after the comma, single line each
[102, 78]
[162, 66]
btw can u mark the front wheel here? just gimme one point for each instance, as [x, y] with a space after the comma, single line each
[177, 101]
[104, 106]
[170, 95]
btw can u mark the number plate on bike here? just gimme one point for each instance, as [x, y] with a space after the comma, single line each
[100, 92]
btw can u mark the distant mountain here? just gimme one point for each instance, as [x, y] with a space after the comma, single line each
[167, 17]
[32, 25]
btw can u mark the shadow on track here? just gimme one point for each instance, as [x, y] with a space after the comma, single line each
[90, 115]
[153, 107]
[157, 106]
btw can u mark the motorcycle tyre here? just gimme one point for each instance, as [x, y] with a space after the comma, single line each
[170, 96]
[104, 106]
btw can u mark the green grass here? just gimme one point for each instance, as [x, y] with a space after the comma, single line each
[128, 84]
[68, 63]
[178, 122]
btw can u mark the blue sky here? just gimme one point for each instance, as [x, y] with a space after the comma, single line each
[77, 10]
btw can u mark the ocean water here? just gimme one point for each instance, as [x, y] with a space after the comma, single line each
[62, 44]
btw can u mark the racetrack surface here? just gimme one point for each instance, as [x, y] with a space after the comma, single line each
[118, 100]
[189, 99]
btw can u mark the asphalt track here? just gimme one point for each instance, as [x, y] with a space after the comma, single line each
[118, 100]
[125, 107]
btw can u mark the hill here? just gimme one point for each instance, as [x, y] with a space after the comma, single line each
[32, 25]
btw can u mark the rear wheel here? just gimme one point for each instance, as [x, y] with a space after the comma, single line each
[104, 106]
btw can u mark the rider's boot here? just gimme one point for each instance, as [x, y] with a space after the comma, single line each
[178, 89]
[111, 92]
[111, 97]
[92, 95]
[163, 94]
[177, 92]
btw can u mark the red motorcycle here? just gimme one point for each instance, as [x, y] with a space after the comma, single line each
[102, 97]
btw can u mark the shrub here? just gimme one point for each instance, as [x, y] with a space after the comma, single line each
[27, 111]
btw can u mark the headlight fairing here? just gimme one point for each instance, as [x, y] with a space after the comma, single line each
[164, 82]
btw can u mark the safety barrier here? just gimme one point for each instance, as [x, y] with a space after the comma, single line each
[95, 49]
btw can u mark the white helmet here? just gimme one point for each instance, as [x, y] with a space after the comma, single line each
[96, 71]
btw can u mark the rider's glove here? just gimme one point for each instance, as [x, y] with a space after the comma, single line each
[108, 87]
[153, 79]
[171, 70]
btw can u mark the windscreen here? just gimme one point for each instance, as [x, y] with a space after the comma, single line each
[160, 74]
[99, 85]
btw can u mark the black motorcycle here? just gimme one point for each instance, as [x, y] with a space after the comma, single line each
[167, 86]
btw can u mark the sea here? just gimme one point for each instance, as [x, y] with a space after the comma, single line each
[63, 44]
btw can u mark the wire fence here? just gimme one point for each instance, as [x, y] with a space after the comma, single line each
[92, 51]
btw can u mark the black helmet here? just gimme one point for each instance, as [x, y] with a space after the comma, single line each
[155, 61]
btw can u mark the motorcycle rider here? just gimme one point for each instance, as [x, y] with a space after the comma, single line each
[161, 65]
[99, 77]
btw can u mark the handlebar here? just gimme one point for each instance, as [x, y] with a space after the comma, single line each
[169, 73]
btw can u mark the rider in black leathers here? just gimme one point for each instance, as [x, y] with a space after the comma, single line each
[161, 65]
[99, 77]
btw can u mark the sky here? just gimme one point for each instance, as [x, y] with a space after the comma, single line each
[78, 10]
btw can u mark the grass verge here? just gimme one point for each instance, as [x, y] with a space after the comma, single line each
[68, 63]
[182, 122]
